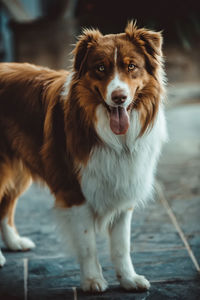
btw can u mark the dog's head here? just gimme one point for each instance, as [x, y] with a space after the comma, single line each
[122, 72]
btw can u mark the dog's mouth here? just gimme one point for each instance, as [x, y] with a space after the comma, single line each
[119, 117]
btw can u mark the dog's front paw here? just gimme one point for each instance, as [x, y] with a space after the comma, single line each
[20, 244]
[2, 259]
[94, 285]
[136, 282]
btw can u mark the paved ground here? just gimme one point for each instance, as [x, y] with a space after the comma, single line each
[165, 235]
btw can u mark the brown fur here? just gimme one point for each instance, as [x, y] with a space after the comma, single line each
[45, 136]
[33, 142]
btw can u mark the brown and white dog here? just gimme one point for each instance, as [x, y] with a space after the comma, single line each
[93, 136]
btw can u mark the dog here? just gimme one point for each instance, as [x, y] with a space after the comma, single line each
[93, 136]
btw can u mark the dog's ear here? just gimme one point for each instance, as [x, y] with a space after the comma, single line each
[86, 41]
[150, 40]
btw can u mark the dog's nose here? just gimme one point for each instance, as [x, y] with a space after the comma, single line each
[118, 96]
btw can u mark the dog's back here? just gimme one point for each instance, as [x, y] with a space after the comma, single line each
[25, 94]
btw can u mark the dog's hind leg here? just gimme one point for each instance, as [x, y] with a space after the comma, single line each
[18, 183]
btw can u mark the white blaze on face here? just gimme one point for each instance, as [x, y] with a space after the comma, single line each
[115, 56]
[117, 84]
[118, 98]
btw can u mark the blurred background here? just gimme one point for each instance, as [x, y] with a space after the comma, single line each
[43, 31]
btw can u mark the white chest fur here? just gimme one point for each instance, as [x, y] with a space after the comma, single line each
[120, 173]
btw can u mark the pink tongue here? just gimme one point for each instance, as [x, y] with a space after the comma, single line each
[119, 120]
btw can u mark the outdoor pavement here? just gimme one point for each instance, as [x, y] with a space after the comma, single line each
[165, 234]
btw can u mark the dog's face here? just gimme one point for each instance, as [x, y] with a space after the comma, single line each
[114, 69]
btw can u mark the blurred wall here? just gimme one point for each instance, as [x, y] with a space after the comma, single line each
[45, 31]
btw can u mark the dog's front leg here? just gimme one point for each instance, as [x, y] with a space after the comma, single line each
[78, 225]
[120, 254]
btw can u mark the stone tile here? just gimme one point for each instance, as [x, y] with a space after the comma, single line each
[187, 211]
[189, 290]
[12, 280]
[186, 208]
[196, 252]
[153, 240]
[52, 278]
[185, 290]
[158, 266]
[179, 170]
[152, 229]
[58, 275]
[183, 126]
[165, 265]
[51, 294]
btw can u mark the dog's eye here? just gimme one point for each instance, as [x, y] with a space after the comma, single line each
[101, 68]
[131, 67]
